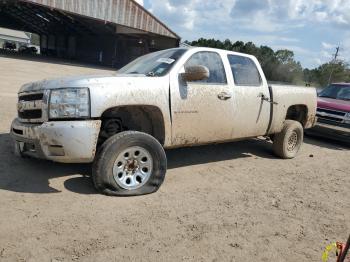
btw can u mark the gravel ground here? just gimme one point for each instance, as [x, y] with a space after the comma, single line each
[229, 202]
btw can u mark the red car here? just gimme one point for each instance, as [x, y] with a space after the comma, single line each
[333, 112]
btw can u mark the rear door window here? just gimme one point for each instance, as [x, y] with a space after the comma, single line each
[244, 70]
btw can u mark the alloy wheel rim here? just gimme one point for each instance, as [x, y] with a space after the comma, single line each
[133, 168]
[292, 141]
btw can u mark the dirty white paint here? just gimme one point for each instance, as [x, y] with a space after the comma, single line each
[192, 112]
[287, 96]
[199, 117]
[77, 138]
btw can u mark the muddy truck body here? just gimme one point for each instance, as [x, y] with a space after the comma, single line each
[172, 98]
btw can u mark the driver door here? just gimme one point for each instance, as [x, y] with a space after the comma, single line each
[202, 111]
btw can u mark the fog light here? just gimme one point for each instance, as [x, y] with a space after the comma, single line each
[56, 150]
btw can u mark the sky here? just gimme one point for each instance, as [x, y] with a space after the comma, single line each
[310, 28]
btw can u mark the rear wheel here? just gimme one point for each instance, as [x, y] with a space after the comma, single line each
[128, 164]
[287, 143]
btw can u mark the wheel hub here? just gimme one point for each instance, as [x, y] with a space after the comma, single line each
[133, 167]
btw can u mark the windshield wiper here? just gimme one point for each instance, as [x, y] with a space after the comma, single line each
[151, 74]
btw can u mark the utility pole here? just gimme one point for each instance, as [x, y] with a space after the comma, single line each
[334, 60]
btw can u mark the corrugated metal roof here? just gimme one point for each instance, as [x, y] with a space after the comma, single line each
[123, 12]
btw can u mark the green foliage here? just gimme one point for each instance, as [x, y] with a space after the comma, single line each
[281, 66]
[339, 72]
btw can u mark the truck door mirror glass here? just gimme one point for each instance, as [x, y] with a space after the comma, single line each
[196, 73]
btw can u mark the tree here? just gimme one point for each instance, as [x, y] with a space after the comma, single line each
[268, 62]
[237, 46]
[320, 75]
[285, 56]
[227, 45]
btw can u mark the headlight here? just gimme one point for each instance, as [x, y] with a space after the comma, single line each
[347, 118]
[69, 103]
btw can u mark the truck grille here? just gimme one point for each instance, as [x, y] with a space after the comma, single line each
[30, 114]
[31, 97]
[31, 107]
[331, 115]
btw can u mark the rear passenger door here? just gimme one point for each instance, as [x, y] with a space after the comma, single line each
[251, 113]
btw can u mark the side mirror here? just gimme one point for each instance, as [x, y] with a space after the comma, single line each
[196, 73]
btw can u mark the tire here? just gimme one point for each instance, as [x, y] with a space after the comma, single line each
[287, 143]
[129, 164]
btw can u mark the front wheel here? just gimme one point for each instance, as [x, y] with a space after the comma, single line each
[129, 164]
[287, 143]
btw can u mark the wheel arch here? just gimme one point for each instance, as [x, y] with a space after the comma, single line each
[143, 118]
[298, 113]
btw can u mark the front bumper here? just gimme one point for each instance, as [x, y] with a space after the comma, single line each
[330, 130]
[61, 141]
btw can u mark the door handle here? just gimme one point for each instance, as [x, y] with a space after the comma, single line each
[265, 98]
[224, 96]
[262, 96]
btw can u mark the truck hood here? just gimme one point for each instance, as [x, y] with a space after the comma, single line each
[333, 104]
[78, 81]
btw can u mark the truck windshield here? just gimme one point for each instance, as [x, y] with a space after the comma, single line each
[341, 92]
[154, 64]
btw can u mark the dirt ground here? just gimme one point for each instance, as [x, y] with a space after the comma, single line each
[229, 202]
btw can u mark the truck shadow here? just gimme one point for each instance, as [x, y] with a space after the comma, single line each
[191, 156]
[34, 176]
[325, 142]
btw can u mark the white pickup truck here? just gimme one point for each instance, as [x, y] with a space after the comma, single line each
[172, 98]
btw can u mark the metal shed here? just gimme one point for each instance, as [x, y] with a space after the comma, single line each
[109, 32]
